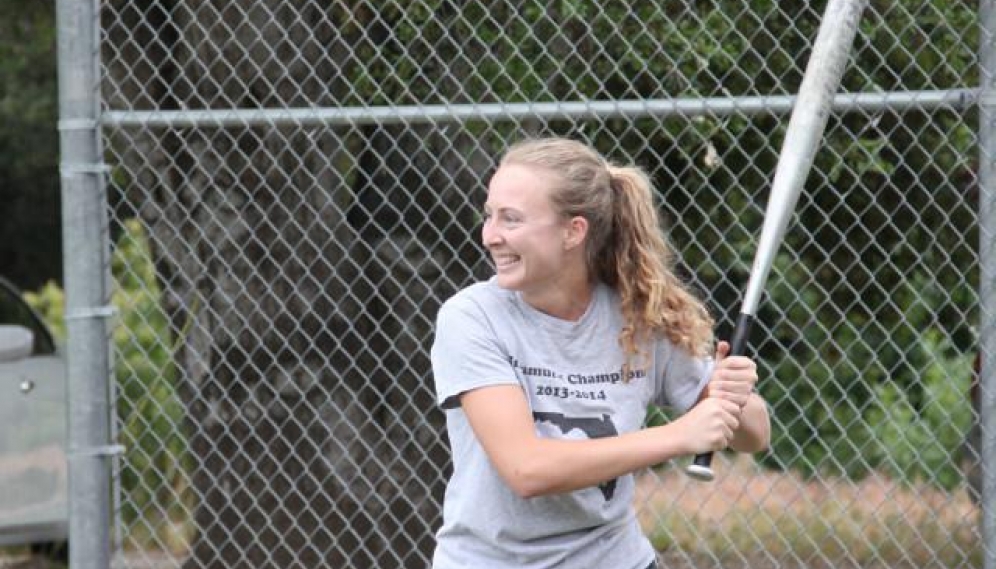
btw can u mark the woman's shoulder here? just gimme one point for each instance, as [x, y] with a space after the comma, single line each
[480, 295]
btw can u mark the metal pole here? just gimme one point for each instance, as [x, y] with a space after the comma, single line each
[435, 114]
[987, 272]
[86, 267]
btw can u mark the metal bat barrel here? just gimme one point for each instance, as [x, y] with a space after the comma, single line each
[802, 138]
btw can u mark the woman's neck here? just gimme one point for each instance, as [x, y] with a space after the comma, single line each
[567, 302]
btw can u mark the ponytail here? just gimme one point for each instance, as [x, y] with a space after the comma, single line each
[639, 263]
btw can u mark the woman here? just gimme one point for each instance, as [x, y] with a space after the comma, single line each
[545, 371]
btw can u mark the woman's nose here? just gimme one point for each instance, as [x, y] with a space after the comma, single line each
[489, 233]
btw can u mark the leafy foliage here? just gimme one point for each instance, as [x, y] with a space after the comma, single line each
[149, 415]
[861, 341]
[29, 144]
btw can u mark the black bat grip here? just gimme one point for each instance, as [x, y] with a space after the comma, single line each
[701, 466]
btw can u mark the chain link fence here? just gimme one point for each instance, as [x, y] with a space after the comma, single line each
[294, 189]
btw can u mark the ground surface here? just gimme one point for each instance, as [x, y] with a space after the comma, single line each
[753, 518]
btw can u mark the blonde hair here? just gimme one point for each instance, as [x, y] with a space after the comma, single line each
[625, 246]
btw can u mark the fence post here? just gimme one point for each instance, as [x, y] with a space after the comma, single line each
[987, 276]
[86, 266]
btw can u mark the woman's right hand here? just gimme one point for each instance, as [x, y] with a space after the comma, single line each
[709, 425]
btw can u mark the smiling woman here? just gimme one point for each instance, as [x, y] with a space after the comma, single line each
[546, 370]
[534, 247]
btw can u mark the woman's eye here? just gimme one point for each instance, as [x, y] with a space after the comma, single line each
[502, 218]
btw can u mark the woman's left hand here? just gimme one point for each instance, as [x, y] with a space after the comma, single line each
[733, 377]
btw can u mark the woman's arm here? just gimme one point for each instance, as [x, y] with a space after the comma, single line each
[733, 379]
[534, 466]
[754, 433]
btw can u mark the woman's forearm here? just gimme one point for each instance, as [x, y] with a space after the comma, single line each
[754, 433]
[552, 466]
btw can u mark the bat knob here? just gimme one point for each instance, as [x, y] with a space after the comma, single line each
[699, 472]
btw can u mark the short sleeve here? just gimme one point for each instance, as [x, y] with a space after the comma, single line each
[466, 352]
[683, 379]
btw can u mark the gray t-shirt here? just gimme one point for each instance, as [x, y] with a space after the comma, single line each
[571, 375]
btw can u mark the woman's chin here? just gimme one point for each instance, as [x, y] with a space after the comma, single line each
[508, 281]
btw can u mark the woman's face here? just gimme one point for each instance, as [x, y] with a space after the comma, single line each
[528, 240]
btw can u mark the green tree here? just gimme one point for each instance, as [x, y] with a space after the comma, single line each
[30, 244]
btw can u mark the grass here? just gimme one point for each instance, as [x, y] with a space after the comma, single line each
[759, 518]
[748, 517]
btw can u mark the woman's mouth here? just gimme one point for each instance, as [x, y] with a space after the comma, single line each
[504, 261]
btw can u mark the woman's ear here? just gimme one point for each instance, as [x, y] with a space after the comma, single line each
[577, 230]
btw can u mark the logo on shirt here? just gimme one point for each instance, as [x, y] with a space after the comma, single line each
[593, 427]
